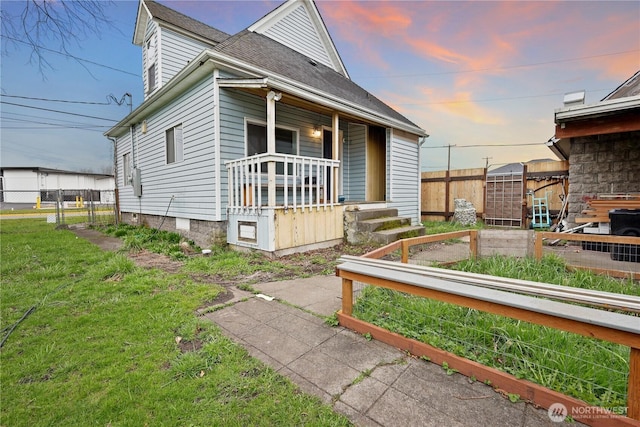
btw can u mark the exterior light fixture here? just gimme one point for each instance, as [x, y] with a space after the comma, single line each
[316, 132]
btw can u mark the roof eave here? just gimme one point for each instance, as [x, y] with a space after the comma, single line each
[604, 107]
[142, 18]
[195, 70]
[208, 60]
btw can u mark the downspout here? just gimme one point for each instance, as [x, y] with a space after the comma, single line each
[217, 149]
[421, 141]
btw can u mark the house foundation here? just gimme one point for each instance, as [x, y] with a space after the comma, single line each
[203, 233]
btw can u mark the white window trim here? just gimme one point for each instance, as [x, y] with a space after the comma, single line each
[177, 159]
[248, 121]
[127, 169]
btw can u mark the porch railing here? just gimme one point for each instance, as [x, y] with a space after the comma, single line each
[298, 182]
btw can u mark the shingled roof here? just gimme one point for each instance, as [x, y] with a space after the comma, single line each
[263, 52]
[185, 22]
[267, 54]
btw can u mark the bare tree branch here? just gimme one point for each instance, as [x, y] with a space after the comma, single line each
[62, 23]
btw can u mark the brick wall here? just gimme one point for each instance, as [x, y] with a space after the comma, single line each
[602, 164]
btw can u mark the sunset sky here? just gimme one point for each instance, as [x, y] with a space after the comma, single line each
[483, 77]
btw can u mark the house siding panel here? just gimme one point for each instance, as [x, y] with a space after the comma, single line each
[190, 181]
[177, 52]
[404, 177]
[297, 32]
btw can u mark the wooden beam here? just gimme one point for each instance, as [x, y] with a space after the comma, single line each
[633, 390]
[623, 122]
[454, 178]
[527, 390]
[604, 333]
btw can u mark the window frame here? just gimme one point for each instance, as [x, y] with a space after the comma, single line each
[151, 82]
[150, 63]
[127, 169]
[295, 143]
[174, 146]
[295, 140]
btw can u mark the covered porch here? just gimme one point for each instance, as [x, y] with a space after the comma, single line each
[294, 207]
[282, 203]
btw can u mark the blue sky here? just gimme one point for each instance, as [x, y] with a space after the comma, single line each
[484, 77]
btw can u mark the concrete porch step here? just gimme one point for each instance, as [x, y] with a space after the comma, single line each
[391, 235]
[366, 214]
[386, 223]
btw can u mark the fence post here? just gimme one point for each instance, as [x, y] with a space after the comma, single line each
[537, 247]
[473, 243]
[347, 296]
[633, 390]
[405, 251]
[60, 207]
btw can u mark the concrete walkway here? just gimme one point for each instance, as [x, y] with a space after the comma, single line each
[370, 382]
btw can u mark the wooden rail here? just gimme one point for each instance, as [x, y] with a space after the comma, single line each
[465, 290]
[405, 244]
[594, 238]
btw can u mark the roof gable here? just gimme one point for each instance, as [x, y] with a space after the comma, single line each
[630, 87]
[266, 54]
[298, 25]
[149, 9]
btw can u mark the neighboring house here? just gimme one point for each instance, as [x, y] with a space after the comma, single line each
[602, 144]
[260, 136]
[26, 184]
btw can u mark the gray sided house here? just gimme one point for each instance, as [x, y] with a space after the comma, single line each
[260, 136]
[601, 141]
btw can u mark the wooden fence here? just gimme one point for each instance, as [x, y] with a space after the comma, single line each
[495, 295]
[441, 188]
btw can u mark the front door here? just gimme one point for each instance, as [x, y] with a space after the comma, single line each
[376, 164]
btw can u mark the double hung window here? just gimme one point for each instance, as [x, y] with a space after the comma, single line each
[174, 144]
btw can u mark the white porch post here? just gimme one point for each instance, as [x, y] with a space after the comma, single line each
[272, 97]
[335, 133]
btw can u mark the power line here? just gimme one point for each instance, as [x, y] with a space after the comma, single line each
[7, 115]
[56, 100]
[58, 125]
[506, 67]
[57, 111]
[49, 128]
[493, 99]
[484, 145]
[72, 56]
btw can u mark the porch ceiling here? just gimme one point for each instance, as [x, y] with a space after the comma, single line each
[304, 104]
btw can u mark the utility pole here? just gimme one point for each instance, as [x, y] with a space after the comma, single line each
[449, 157]
[486, 164]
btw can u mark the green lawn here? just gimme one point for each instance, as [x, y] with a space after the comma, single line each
[100, 346]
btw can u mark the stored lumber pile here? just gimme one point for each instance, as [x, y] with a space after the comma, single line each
[598, 210]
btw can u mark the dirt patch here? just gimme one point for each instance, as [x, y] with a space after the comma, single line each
[186, 346]
[312, 263]
[146, 259]
[106, 243]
